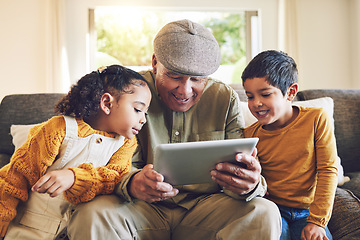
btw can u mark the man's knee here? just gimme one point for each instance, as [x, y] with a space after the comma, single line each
[268, 214]
[88, 215]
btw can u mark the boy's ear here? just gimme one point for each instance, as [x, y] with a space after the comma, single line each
[292, 91]
[106, 103]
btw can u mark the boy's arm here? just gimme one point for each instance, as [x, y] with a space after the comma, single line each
[326, 164]
[90, 181]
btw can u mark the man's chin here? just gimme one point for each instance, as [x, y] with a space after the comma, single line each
[180, 108]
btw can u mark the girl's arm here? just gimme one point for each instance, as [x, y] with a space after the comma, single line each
[26, 166]
[90, 181]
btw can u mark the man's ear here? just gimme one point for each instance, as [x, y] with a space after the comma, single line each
[153, 63]
[292, 91]
[106, 102]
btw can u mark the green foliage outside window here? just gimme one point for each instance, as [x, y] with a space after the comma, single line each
[123, 42]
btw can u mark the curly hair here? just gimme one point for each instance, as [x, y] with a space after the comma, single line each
[83, 99]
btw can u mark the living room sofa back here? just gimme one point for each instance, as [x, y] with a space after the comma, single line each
[22, 109]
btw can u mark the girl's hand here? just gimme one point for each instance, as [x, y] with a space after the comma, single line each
[55, 182]
[312, 231]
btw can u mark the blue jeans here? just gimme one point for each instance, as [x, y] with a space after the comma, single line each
[293, 222]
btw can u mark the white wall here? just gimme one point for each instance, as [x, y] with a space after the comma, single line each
[324, 44]
[22, 52]
[328, 36]
[355, 42]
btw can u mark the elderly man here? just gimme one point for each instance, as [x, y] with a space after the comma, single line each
[186, 106]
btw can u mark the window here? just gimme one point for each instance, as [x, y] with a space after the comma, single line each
[124, 35]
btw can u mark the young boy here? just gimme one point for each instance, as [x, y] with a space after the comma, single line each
[296, 149]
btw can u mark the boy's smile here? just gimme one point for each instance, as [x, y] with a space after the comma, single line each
[267, 103]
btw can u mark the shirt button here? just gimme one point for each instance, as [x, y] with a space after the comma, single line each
[177, 133]
[98, 140]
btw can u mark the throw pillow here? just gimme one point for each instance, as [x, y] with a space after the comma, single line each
[19, 134]
[326, 103]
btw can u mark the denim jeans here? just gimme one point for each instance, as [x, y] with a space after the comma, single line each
[293, 222]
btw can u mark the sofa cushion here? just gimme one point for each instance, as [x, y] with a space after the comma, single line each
[19, 134]
[343, 224]
[354, 184]
[4, 159]
[346, 116]
[35, 108]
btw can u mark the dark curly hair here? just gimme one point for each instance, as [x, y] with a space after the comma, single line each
[279, 69]
[83, 99]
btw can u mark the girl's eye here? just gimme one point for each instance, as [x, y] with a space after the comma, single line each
[137, 110]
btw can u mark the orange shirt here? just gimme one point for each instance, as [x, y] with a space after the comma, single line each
[299, 163]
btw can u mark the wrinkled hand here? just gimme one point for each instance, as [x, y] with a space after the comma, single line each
[236, 178]
[55, 182]
[313, 232]
[148, 185]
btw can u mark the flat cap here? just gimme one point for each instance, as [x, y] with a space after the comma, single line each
[187, 48]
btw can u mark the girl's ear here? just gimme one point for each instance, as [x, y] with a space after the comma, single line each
[106, 103]
[292, 91]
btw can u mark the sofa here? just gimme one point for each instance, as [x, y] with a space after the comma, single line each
[26, 109]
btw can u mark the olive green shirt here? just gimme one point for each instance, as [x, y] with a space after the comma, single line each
[216, 116]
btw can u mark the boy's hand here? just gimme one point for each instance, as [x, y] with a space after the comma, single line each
[55, 182]
[313, 231]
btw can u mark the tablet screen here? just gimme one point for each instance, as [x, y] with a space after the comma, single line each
[191, 162]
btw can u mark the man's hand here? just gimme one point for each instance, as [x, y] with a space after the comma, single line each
[312, 231]
[148, 185]
[55, 182]
[239, 178]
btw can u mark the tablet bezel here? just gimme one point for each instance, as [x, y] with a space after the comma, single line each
[191, 162]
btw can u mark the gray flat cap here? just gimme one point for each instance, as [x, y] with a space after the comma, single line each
[187, 48]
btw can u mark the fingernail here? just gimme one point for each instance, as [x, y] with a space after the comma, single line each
[219, 166]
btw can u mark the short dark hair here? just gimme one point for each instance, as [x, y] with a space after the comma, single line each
[279, 69]
[83, 99]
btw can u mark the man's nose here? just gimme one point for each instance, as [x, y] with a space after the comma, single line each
[185, 87]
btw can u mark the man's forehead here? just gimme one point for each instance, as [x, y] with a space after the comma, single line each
[174, 74]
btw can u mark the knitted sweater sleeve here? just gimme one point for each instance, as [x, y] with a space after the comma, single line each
[27, 165]
[90, 181]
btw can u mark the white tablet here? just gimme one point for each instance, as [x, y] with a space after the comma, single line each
[191, 162]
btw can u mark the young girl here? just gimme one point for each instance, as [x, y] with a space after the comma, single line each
[74, 157]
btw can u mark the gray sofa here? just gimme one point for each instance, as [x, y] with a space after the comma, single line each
[22, 109]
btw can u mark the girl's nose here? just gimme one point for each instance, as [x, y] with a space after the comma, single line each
[143, 120]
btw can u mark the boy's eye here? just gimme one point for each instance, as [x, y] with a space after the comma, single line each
[266, 94]
[250, 97]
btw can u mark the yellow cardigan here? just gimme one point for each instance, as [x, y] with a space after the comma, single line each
[33, 158]
[299, 163]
